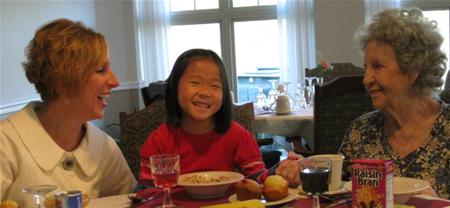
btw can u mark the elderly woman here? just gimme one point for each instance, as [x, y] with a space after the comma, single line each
[403, 69]
[52, 142]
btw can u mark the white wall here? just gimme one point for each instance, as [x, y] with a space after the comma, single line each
[336, 23]
[19, 21]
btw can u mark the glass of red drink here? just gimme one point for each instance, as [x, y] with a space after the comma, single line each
[315, 177]
[165, 169]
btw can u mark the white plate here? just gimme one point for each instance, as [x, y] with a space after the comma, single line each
[402, 185]
[292, 194]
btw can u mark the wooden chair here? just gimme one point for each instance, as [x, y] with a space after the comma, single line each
[340, 69]
[336, 105]
[154, 91]
[135, 128]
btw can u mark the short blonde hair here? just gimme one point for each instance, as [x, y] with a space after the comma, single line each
[63, 54]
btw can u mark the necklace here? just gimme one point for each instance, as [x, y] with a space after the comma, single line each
[399, 149]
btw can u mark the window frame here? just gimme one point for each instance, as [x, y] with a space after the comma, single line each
[225, 16]
[431, 5]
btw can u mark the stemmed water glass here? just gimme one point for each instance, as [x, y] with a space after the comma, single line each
[299, 97]
[39, 192]
[310, 91]
[315, 177]
[165, 169]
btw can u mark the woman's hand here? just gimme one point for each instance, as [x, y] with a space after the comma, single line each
[289, 169]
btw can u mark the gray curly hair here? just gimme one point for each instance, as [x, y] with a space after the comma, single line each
[416, 42]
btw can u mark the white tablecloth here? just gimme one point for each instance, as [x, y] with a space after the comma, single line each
[119, 201]
[297, 123]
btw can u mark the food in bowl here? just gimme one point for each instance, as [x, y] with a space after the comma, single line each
[203, 179]
[275, 188]
[208, 184]
[248, 189]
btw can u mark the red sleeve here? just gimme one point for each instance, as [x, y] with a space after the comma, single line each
[153, 145]
[248, 156]
[147, 149]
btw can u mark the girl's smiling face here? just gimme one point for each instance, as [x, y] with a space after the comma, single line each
[200, 91]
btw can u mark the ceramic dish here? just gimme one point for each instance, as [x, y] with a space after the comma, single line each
[402, 185]
[292, 194]
[208, 184]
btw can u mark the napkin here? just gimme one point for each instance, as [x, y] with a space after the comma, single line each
[427, 201]
[152, 196]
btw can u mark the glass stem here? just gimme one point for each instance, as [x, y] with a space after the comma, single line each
[316, 203]
[167, 199]
[39, 199]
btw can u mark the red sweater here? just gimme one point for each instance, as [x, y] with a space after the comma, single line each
[236, 150]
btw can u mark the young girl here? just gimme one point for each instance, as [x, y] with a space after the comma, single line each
[199, 126]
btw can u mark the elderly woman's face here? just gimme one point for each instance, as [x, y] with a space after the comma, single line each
[386, 83]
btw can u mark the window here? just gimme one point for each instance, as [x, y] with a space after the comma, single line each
[440, 12]
[257, 57]
[243, 32]
[442, 18]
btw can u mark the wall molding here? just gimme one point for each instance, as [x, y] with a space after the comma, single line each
[16, 106]
[130, 85]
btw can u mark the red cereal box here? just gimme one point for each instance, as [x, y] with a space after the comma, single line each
[372, 183]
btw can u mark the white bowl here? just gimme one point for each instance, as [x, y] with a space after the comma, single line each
[404, 188]
[208, 184]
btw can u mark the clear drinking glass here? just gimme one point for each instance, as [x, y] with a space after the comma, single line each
[261, 99]
[309, 92]
[39, 192]
[299, 97]
[272, 94]
[165, 169]
[315, 177]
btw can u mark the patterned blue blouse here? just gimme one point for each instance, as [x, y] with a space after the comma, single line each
[366, 138]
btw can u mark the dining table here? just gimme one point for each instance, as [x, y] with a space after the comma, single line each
[296, 124]
[184, 200]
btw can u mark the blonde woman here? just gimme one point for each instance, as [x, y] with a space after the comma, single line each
[52, 142]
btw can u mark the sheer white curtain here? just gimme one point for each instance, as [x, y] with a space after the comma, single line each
[372, 7]
[151, 22]
[296, 21]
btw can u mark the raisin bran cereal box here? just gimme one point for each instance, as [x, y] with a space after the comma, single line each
[372, 183]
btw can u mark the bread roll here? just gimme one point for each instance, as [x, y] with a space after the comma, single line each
[248, 189]
[275, 188]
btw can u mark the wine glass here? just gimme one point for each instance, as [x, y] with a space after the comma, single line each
[261, 99]
[310, 91]
[315, 176]
[39, 192]
[299, 97]
[165, 169]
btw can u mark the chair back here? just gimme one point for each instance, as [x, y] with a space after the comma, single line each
[336, 105]
[135, 128]
[339, 69]
[153, 91]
